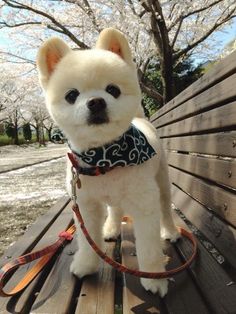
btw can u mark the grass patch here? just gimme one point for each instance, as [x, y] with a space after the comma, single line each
[5, 140]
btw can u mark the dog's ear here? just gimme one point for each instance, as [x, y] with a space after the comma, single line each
[49, 54]
[113, 40]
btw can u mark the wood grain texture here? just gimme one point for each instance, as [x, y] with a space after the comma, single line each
[57, 291]
[222, 144]
[220, 71]
[220, 234]
[213, 197]
[137, 300]
[23, 301]
[27, 242]
[217, 170]
[98, 291]
[210, 278]
[217, 119]
[221, 93]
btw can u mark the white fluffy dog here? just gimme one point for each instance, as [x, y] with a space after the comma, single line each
[94, 97]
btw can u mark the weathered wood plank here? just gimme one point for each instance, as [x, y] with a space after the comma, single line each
[24, 300]
[213, 197]
[136, 300]
[220, 71]
[59, 286]
[35, 232]
[222, 92]
[98, 291]
[218, 118]
[214, 283]
[217, 170]
[220, 234]
[222, 144]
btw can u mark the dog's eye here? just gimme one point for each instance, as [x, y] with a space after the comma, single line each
[71, 96]
[113, 90]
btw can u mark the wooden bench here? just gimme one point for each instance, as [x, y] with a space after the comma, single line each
[197, 129]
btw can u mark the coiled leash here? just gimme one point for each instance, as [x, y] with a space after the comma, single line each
[44, 257]
[47, 253]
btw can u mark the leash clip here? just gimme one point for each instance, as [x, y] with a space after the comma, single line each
[75, 183]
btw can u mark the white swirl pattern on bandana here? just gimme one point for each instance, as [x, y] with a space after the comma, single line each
[130, 149]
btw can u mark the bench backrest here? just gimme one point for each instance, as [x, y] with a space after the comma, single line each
[198, 132]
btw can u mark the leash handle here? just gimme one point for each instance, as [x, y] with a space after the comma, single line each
[44, 255]
[135, 272]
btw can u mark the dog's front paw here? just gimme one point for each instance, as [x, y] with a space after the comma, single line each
[155, 285]
[172, 235]
[111, 231]
[82, 265]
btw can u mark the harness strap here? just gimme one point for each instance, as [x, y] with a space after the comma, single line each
[45, 255]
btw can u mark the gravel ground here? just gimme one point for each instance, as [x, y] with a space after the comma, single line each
[28, 192]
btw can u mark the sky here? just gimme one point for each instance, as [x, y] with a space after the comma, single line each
[224, 37]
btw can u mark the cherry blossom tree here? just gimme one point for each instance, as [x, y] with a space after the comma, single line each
[167, 30]
[23, 101]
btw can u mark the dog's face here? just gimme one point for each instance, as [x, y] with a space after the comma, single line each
[93, 94]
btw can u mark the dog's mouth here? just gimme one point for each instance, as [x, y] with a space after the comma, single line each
[98, 118]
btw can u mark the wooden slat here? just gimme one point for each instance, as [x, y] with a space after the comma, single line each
[59, 286]
[218, 118]
[220, 71]
[98, 291]
[136, 300]
[24, 300]
[217, 170]
[220, 234]
[213, 197]
[222, 92]
[215, 285]
[35, 232]
[222, 144]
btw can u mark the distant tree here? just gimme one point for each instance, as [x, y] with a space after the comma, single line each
[27, 133]
[49, 125]
[10, 130]
[185, 73]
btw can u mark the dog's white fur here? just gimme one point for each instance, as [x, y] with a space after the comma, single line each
[141, 191]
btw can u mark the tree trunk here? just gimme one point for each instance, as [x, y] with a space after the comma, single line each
[37, 133]
[167, 76]
[16, 136]
[49, 131]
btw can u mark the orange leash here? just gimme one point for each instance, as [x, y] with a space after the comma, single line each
[45, 255]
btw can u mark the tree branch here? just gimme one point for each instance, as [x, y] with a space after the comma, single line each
[64, 30]
[18, 57]
[148, 88]
[19, 24]
[176, 34]
[184, 51]
[184, 16]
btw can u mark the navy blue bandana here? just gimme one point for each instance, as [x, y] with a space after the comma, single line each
[130, 149]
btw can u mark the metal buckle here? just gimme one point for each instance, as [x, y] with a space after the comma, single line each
[75, 183]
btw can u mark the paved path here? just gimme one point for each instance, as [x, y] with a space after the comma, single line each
[13, 157]
[28, 192]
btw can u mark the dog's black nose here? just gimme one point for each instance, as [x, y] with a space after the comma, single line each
[96, 105]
